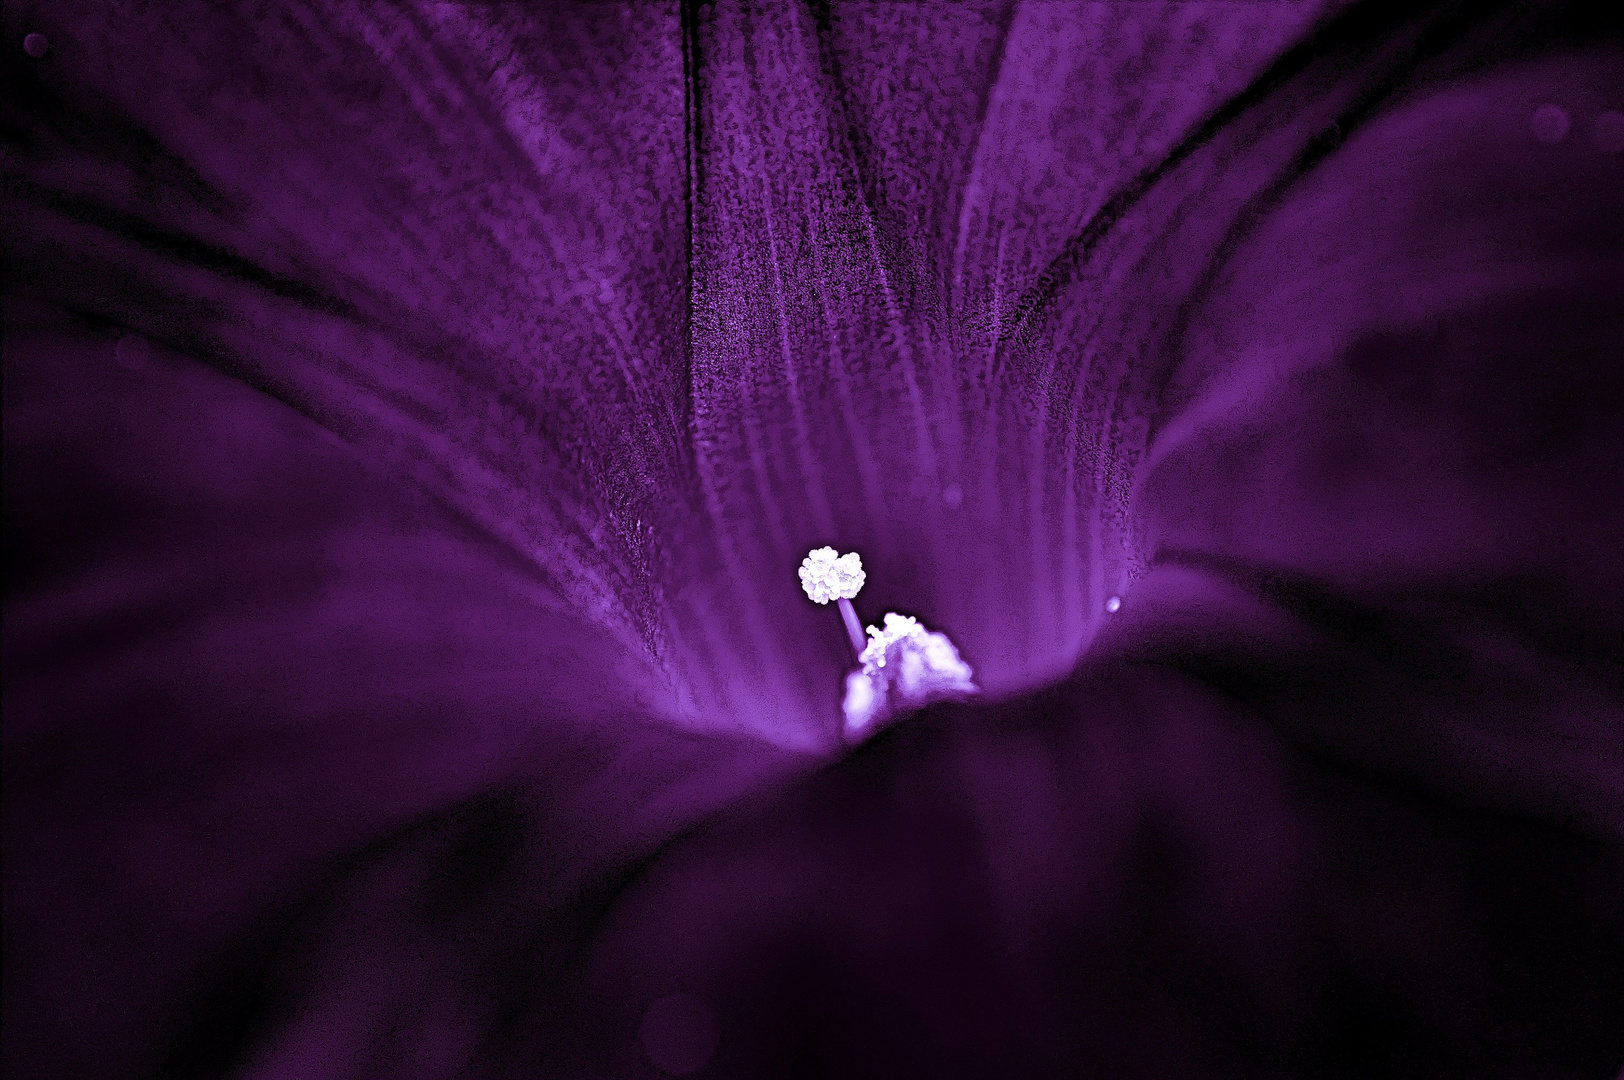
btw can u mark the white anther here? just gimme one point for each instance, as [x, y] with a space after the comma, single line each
[826, 576]
[913, 663]
[897, 627]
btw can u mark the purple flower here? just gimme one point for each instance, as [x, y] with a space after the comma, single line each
[416, 414]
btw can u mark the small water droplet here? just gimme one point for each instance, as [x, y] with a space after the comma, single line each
[36, 45]
[132, 352]
[953, 496]
[679, 1034]
[1549, 124]
[1114, 604]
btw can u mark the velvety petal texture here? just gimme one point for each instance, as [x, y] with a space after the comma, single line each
[453, 235]
[415, 416]
[249, 678]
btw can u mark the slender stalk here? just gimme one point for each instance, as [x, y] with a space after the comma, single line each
[854, 629]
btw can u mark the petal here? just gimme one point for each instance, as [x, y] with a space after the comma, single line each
[1131, 870]
[248, 678]
[454, 235]
[1088, 97]
[1386, 436]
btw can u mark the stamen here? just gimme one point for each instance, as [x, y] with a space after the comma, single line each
[919, 662]
[905, 666]
[827, 576]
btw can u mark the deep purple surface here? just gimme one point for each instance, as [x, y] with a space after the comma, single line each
[414, 418]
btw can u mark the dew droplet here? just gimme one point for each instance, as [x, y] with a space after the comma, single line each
[679, 1034]
[1114, 604]
[132, 352]
[953, 496]
[1549, 124]
[36, 45]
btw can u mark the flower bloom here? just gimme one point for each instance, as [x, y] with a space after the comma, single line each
[414, 414]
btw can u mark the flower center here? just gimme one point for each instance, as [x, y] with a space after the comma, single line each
[902, 667]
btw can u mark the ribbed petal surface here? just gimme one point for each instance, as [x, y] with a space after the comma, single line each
[452, 235]
[416, 415]
[251, 679]
[861, 243]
